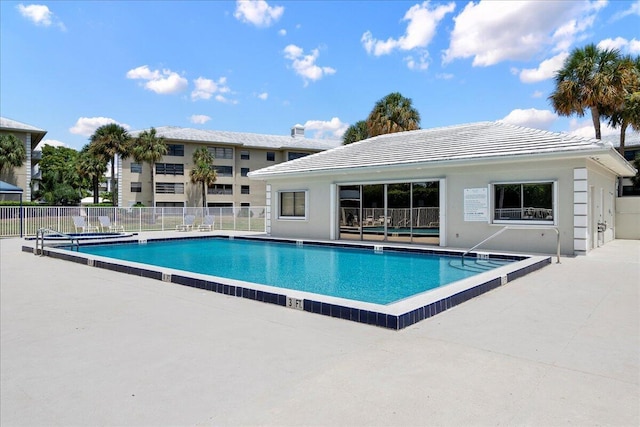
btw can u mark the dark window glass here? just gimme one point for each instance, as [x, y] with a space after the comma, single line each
[175, 150]
[169, 168]
[244, 155]
[244, 171]
[224, 170]
[271, 156]
[292, 203]
[293, 155]
[136, 167]
[136, 187]
[523, 202]
[169, 188]
[244, 189]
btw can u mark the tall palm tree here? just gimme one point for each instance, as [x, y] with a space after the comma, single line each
[109, 141]
[393, 113]
[149, 148]
[12, 152]
[356, 132]
[93, 168]
[590, 78]
[627, 112]
[203, 171]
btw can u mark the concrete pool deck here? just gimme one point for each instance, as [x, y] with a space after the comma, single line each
[86, 346]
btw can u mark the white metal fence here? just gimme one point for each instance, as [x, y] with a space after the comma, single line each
[25, 221]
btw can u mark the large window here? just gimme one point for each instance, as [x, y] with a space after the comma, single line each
[271, 156]
[224, 170]
[136, 187]
[175, 150]
[226, 189]
[244, 171]
[530, 202]
[293, 204]
[169, 169]
[136, 167]
[221, 152]
[245, 189]
[292, 155]
[169, 188]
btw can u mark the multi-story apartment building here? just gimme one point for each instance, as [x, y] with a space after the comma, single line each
[30, 135]
[235, 153]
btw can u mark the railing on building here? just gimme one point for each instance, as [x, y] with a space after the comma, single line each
[132, 219]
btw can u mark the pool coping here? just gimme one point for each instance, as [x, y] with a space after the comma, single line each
[397, 315]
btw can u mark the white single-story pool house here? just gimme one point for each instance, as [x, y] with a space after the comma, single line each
[453, 186]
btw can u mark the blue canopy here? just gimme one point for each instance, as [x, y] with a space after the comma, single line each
[6, 188]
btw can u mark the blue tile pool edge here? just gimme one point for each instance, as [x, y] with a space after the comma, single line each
[332, 307]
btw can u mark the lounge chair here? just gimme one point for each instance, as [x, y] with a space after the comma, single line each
[207, 223]
[81, 224]
[187, 223]
[106, 225]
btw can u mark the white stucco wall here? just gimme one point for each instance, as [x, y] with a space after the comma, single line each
[628, 218]
[456, 231]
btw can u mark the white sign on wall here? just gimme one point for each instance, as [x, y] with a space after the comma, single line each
[476, 204]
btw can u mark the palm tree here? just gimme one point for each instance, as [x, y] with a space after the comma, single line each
[92, 168]
[356, 132]
[393, 113]
[203, 171]
[149, 148]
[107, 142]
[627, 112]
[590, 78]
[12, 152]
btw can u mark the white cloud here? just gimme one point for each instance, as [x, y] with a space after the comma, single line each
[533, 118]
[51, 142]
[282, 32]
[584, 128]
[263, 96]
[634, 9]
[545, 70]
[40, 15]
[86, 126]
[162, 82]
[225, 100]
[492, 31]
[629, 46]
[444, 76]
[333, 129]
[421, 62]
[206, 88]
[305, 65]
[421, 28]
[199, 119]
[257, 12]
[537, 94]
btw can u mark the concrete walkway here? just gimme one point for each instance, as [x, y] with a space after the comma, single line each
[86, 346]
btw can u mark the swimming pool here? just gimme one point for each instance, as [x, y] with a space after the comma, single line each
[345, 272]
[400, 310]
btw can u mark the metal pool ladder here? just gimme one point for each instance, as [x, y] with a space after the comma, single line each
[44, 231]
[502, 230]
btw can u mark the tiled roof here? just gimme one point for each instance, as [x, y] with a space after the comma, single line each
[243, 139]
[473, 141]
[631, 139]
[6, 123]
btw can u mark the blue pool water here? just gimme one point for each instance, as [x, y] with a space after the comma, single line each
[352, 273]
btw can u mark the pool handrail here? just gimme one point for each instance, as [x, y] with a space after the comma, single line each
[512, 227]
[40, 238]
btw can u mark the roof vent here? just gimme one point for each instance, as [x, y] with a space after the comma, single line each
[297, 131]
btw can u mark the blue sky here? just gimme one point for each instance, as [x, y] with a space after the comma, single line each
[71, 66]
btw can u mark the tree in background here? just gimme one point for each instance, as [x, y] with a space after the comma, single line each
[61, 183]
[356, 132]
[92, 168]
[149, 148]
[203, 171]
[590, 79]
[107, 142]
[626, 113]
[12, 152]
[393, 113]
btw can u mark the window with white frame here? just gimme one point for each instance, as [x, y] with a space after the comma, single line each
[293, 204]
[528, 202]
[169, 188]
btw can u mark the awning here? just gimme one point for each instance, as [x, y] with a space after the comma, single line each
[6, 188]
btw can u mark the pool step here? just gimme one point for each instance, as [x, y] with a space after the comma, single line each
[477, 265]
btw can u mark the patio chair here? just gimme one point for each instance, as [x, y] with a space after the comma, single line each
[187, 223]
[207, 223]
[106, 225]
[80, 223]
